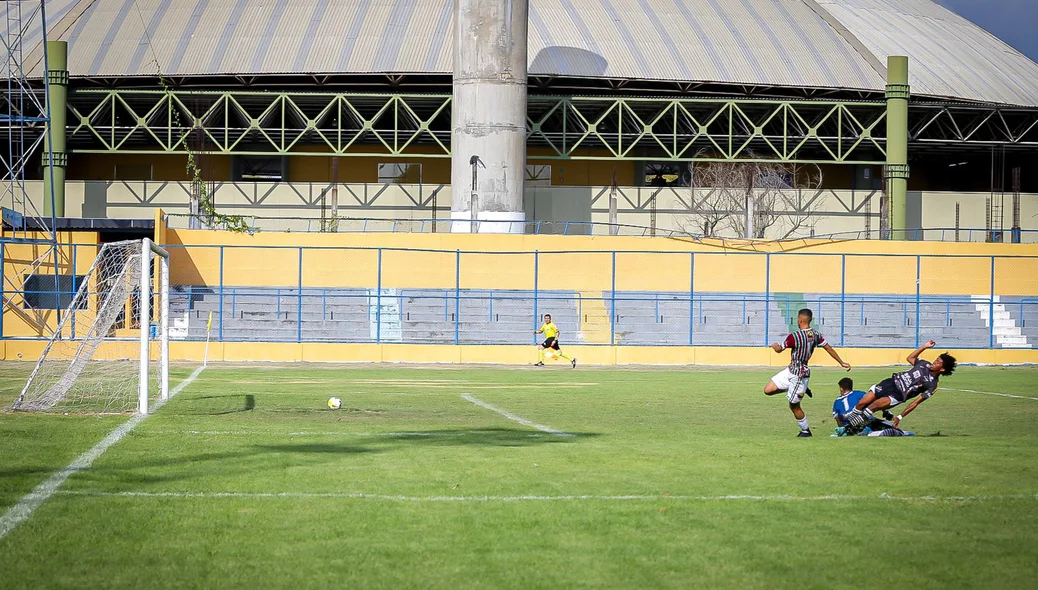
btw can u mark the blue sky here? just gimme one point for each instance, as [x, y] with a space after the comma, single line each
[1013, 21]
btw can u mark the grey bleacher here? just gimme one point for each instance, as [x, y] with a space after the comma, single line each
[718, 319]
[509, 316]
[1025, 311]
[483, 317]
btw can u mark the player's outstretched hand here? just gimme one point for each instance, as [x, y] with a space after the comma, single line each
[896, 421]
[930, 344]
[776, 347]
[846, 366]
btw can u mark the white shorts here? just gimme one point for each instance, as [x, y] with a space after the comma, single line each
[795, 386]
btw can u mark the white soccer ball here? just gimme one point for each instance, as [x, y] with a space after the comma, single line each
[334, 403]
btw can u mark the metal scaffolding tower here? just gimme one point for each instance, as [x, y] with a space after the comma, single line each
[25, 132]
[24, 119]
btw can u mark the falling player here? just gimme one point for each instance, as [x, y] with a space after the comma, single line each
[793, 380]
[919, 382]
[551, 341]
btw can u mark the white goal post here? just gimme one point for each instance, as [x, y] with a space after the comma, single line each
[99, 357]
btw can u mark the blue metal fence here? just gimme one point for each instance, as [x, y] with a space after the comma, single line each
[387, 304]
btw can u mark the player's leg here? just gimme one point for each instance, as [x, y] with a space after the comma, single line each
[795, 393]
[540, 356]
[779, 383]
[801, 418]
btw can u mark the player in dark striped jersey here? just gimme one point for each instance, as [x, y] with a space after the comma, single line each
[793, 380]
[919, 382]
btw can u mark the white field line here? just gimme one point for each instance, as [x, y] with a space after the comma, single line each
[21, 511]
[414, 433]
[513, 417]
[560, 498]
[993, 393]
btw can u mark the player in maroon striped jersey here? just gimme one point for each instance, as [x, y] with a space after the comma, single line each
[793, 380]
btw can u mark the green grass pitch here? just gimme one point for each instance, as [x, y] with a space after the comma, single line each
[652, 478]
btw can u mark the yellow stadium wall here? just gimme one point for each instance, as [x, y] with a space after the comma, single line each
[578, 263]
[583, 263]
[18, 260]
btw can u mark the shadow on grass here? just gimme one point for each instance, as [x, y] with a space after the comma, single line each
[259, 457]
[215, 405]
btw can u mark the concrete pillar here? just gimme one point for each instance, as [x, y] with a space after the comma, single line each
[57, 78]
[488, 119]
[898, 93]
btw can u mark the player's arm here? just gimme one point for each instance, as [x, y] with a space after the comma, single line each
[539, 331]
[908, 410]
[836, 356]
[787, 343]
[914, 357]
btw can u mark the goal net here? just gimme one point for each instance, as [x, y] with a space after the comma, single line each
[109, 352]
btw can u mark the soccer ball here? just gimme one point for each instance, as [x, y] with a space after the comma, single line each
[334, 403]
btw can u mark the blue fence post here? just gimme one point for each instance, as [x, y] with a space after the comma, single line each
[378, 300]
[843, 298]
[991, 308]
[221, 295]
[918, 293]
[299, 306]
[536, 264]
[75, 288]
[767, 297]
[457, 296]
[691, 293]
[612, 306]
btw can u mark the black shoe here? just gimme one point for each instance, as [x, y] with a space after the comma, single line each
[808, 392]
[887, 415]
[541, 364]
[805, 433]
[574, 362]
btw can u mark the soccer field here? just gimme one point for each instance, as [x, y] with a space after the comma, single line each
[457, 477]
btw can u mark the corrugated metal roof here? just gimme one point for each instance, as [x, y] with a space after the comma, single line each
[814, 43]
[948, 55]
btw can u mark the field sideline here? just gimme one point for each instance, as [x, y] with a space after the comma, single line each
[494, 477]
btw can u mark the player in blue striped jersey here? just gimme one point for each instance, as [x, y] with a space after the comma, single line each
[849, 398]
[845, 404]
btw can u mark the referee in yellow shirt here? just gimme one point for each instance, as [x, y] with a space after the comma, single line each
[551, 340]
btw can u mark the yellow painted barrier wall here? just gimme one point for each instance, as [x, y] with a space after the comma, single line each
[588, 266]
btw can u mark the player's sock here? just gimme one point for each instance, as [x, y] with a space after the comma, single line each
[563, 355]
[867, 413]
[802, 423]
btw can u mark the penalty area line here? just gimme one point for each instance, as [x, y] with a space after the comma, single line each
[551, 498]
[1034, 399]
[472, 399]
[21, 511]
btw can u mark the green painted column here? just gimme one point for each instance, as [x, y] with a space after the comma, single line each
[54, 170]
[898, 93]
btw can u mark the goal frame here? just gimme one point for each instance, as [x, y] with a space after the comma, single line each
[148, 248]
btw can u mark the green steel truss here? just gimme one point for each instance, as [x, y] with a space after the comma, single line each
[578, 128]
